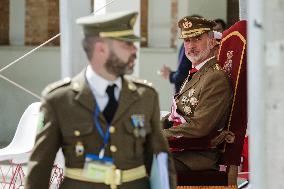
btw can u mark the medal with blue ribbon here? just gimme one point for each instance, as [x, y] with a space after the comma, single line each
[138, 121]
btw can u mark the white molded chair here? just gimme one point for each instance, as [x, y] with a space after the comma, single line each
[24, 137]
[17, 152]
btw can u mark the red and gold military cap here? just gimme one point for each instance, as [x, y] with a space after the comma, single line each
[194, 26]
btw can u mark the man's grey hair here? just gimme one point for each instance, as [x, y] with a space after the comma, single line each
[211, 34]
[88, 44]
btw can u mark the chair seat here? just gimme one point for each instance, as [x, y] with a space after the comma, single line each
[202, 178]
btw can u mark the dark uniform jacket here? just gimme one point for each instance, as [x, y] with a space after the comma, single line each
[204, 102]
[68, 108]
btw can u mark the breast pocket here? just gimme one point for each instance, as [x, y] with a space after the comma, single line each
[136, 138]
[76, 140]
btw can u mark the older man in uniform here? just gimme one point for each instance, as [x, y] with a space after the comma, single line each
[107, 126]
[201, 107]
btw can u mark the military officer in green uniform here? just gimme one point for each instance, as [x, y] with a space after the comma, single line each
[202, 106]
[107, 125]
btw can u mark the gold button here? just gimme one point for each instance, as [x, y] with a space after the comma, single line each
[113, 148]
[112, 129]
[77, 133]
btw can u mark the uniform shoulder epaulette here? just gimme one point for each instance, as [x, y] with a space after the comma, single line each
[143, 81]
[139, 81]
[56, 85]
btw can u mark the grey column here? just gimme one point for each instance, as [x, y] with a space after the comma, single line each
[274, 92]
[256, 96]
[73, 59]
[266, 89]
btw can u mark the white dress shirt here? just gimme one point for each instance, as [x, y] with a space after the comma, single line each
[199, 66]
[99, 85]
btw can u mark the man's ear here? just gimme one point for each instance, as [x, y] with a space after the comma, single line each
[101, 47]
[212, 43]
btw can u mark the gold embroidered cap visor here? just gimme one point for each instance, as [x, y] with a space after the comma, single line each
[193, 26]
[118, 25]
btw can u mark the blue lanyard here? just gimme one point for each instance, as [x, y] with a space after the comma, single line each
[105, 136]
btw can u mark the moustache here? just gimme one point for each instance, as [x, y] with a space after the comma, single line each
[192, 51]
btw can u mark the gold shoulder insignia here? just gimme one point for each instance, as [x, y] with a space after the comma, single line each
[56, 85]
[131, 86]
[139, 81]
[217, 67]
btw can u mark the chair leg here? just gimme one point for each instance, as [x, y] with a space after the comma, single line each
[17, 178]
[4, 176]
[13, 177]
[3, 181]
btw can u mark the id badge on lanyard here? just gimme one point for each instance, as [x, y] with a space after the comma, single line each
[97, 168]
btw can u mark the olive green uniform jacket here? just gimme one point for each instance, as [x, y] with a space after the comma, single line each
[68, 107]
[204, 102]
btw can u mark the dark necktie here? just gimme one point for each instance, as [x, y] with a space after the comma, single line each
[112, 104]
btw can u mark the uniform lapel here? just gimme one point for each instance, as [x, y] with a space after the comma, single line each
[128, 95]
[84, 94]
[197, 76]
[191, 83]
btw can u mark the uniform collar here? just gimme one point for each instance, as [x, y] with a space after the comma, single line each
[199, 66]
[98, 83]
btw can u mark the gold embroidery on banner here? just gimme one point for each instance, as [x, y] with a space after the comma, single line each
[229, 63]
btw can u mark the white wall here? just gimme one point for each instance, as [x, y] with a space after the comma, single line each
[34, 73]
[151, 60]
[208, 8]
[159, 23]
